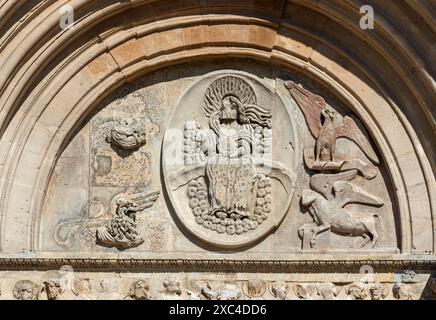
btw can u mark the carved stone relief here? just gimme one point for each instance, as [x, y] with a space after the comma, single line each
[119, 139]
[225, 150]
[378, 291]
[254, 289]
[305, 291]
[326, 205]
[229, 172]
[327, 290]
[332, 189]
[280, 290]
[406, 291]
[53, 289]
[52, 285]
[139, 290]
[109, 289]
[121, 231]
[25, 290]
[229, 291]
[172, 290]
[327, 125]
[358, 291]
[129, 133]
[207, 292]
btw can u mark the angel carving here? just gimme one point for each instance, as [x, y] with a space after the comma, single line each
[326, 126]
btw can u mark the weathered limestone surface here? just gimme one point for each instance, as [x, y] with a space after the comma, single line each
[105, 169]
[217, 150]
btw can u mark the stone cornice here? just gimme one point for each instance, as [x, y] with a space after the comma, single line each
[418, 263]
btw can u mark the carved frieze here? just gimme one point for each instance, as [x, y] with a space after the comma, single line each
[305, 291]
[405, 291]
[358, 291]
[199, 286]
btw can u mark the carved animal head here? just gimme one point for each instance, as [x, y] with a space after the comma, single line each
[128, 132]
[308, 197]
[302, 95]
[126, 207]
[25, 290]
[53, 288]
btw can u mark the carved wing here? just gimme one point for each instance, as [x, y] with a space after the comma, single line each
[346, 192]
[310, 104]
[143, 200]
[323, 183]
[349, 129]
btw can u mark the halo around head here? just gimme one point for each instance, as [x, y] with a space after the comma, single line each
[227, 86]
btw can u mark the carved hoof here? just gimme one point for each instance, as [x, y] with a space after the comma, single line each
[306, 229]
[363, 243]
[312, 243]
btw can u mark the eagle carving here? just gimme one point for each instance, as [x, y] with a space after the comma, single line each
[325, 125]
